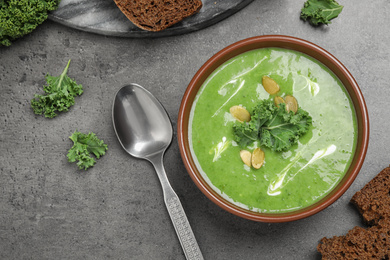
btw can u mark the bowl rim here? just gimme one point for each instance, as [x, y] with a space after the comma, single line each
[286, 42]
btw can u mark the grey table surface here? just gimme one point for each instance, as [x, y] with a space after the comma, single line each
[51, 210]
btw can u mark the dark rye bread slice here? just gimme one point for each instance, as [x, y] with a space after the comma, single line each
[373, 201]
[157, 15]
[358, 243]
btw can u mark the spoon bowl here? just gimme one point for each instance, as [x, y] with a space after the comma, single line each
[144, 130]
[141, 122]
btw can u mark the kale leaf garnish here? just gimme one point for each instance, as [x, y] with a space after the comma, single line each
[21, 17]
[60, 95]
[83, 146]
[320, 11]
[273, 126]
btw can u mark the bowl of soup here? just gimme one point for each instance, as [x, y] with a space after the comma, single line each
[303, 158]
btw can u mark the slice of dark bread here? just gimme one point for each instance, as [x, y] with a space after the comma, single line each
[373, 202]
[358, 243]
[157, 15]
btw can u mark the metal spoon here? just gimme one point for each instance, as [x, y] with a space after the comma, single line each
[144, 130]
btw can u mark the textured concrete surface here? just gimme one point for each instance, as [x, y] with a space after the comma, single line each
[51, 210]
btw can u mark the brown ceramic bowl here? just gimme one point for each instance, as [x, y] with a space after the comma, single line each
[309, 49]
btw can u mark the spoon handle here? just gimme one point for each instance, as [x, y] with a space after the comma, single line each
[183, 228]
[176, 212]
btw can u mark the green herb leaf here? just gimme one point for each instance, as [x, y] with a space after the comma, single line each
[273, 126]
[60, 93]
[83, 146]
[20, 17]
[320, 11]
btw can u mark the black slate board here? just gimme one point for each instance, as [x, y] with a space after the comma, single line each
[104, 17]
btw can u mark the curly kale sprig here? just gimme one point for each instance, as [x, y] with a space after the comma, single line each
[20, 17]
[60, 95]
[83, 146]
[320, 11]
[273, 126]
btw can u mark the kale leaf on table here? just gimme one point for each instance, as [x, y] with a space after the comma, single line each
[20, 17]
[60, 95]
[273, 126]
[83, 146]
[320, 11]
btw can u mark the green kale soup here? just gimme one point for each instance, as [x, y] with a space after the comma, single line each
[287, 180]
